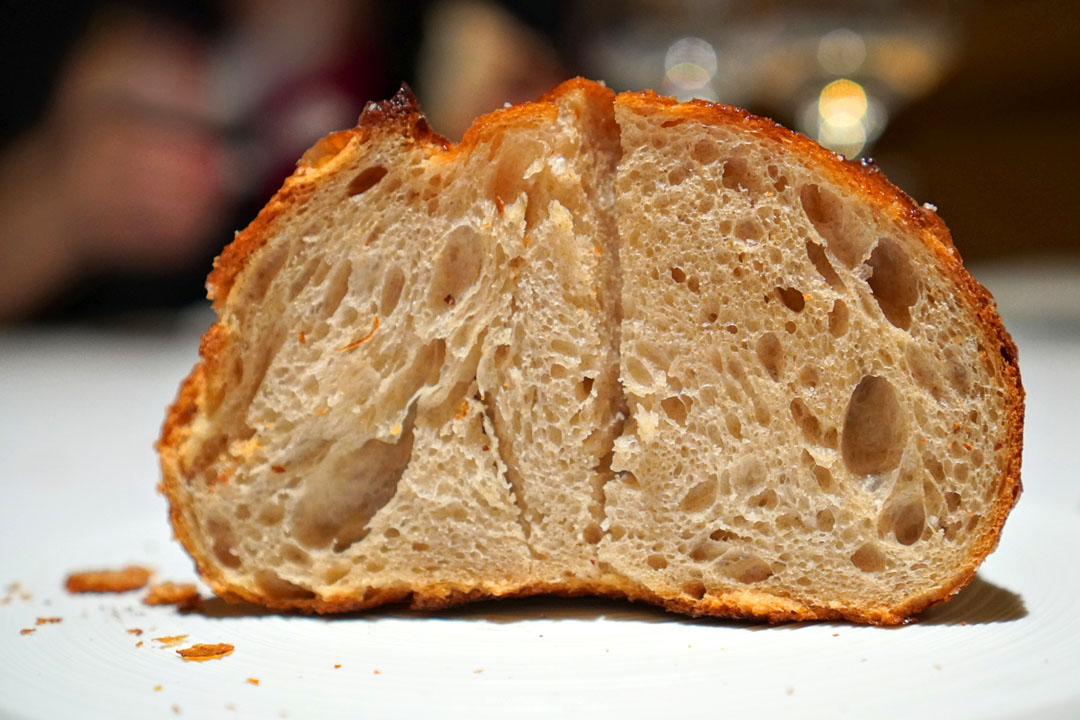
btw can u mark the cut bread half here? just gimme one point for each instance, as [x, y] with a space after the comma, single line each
[605, 345]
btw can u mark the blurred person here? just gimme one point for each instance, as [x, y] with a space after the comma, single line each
[125, 168]
[165, 125]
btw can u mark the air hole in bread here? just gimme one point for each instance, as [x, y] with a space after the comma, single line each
[875, 428]
[678, 275]
[335, 572]
[780, 181]
[695, 589]
[222, 542]
[365, 180]
[957, 373]
[747, 473]
[748, 569]
[749, 229]
[272, 585]
[677, 175]
[677, 407]
[391, 291]
[810, 376]
[693, 285]
[704, 551]
[700, 497]
[806, 420]
[868, 558]
[893, 282]
[295, 555]
[457, 267]
[592, 533]
[838, 319]
[817, 256]
[656, 562]
[792, 298]
[826, 213]
[337, 285]
[337, 503]
[738, 175]
[824, 478]
[518, 156]
[734, 426]
[766, 499]
[923, 370]
[705, 151]
[269, 265]
[825, 520]
[906, 519]
[304, 277]
[771, 355]
[637, 373]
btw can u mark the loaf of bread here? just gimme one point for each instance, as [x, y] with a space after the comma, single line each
[605, 345]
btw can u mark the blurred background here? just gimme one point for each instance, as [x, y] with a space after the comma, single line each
[138, 136]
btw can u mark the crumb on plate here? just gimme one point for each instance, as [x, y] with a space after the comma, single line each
[27, 631]
[170, 593]
[130, 578]
[200, 652]
[168, 640]
[48, 620]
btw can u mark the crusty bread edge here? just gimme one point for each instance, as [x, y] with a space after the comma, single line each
[401, 115]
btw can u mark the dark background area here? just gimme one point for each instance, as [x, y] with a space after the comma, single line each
[992, 142]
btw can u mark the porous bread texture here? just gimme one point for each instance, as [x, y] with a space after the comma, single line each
[818, 411]
[605, 345]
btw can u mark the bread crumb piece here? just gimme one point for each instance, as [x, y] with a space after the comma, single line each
[378, 672]
[27, 631]
[139, 644]
[836, 634]
[170, 593]
[168, 640]
[157, 688]
[337, 666]
[26, 597]
[200, 652]
[134, 631]
[108, 581]
[478, 671]
[48, 620]
[253, 681]
[176, 709]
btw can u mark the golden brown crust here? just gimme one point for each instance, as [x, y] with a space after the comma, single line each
[400, 116]
[108, 581]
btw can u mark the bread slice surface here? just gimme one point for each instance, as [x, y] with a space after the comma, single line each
[605, 345]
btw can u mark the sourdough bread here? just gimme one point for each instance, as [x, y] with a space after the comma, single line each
[604, 345]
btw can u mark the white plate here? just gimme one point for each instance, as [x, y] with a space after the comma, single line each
[1008, 646]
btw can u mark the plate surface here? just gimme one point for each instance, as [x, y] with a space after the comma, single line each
[78, 416]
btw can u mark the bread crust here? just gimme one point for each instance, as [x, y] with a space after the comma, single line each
[400, 117]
